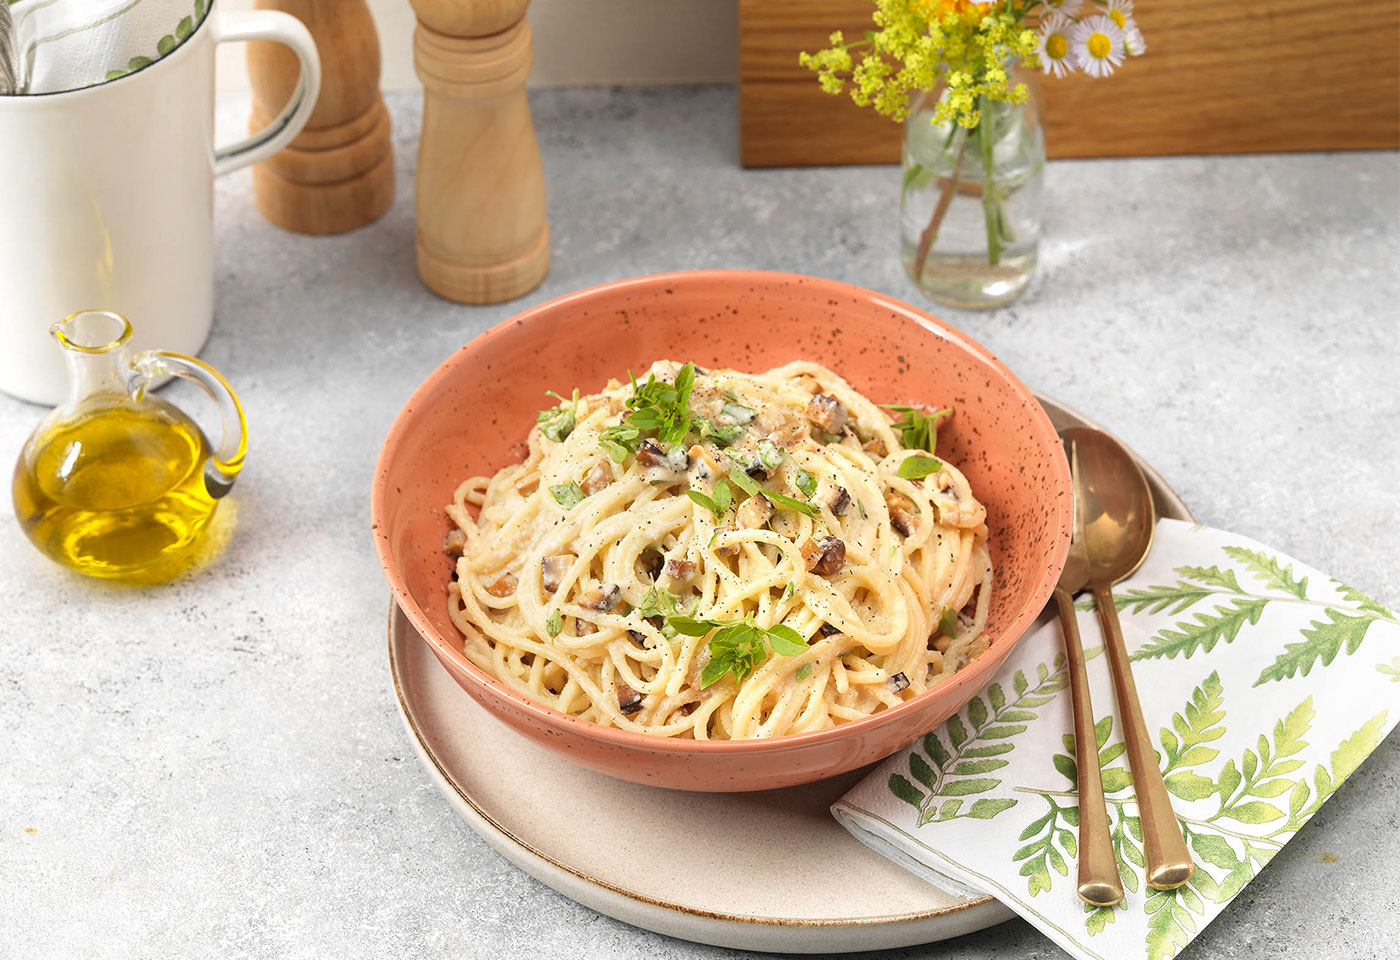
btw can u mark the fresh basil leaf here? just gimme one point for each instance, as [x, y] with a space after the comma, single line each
[793, 504]
[948, 624]
[786, 640]
[705, 502]
[723, 496]
[554, 625]
[803, 672]
[713, 672]
[692, 627]
[806, 482]
[743, 481]
[919, 466]
[788, 591]
[567, 495]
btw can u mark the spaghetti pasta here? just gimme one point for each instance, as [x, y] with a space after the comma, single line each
[721, 555]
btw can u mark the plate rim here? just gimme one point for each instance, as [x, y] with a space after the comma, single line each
[426, 754]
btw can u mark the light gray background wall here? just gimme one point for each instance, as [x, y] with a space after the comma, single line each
[577, 43]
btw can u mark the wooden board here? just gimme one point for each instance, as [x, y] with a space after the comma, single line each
[1217, 78]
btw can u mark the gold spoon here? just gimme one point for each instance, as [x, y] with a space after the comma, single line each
[1099, 882]
[1118, 523]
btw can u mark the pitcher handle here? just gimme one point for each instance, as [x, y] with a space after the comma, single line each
[223, 466]
[236, 25]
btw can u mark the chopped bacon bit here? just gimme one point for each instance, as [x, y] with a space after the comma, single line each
[875, 447]
[629, 701]
[596, 479]
[455, 543]
[603, 598]
[899, 682]
[680, 569]
[839, 500]
[825, 557]
[552, 570]
[827, 412]
[755, 513]
[503, 586]
[904, 516]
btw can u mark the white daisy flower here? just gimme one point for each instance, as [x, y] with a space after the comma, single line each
[1067, 7]
[1052, 45]
[1097, 44]
[1121, 13]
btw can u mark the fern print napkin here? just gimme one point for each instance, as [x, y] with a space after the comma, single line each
[1268, 684]
[71, 44]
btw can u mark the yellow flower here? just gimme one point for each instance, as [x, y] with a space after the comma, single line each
[1097, 44]
[1052, 45]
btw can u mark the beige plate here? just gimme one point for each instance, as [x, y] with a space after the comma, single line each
[757, 871]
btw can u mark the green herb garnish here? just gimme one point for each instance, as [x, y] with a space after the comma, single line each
[770, 455]
[655, 406]
[806, 483]
[721, 435]
[917, 430]
[554, 625]
[918, 466]
[738, 646]
[718, 504]
[750, 486]
[948, 624]
[736, 413]
[788, 591]
[557, 423]
[567, 495]
[804, 671]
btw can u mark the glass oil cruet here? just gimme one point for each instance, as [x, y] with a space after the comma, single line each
[116, 482]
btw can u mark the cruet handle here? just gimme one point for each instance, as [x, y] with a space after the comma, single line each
[223, 466]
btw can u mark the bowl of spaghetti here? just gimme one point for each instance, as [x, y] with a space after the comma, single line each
[722, 530]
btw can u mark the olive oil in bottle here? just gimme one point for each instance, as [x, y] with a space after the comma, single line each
[115, 482]
[116, 491]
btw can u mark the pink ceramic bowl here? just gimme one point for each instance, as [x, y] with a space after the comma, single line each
[471, 416]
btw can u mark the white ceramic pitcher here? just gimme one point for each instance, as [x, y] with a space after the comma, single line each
[107, 199]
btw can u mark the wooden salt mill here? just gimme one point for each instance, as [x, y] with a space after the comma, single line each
[482, 234]
[339, 173]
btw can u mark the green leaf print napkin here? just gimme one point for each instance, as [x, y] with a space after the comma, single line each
[70, 44]
[1266, 684]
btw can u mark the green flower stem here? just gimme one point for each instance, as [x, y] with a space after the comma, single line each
[945, 199]
[991, 193]
[1211, 827]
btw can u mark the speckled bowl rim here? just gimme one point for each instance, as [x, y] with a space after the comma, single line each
[975, 675]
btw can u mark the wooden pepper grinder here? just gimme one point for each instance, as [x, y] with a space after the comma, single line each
[339, 173]
[482, 234]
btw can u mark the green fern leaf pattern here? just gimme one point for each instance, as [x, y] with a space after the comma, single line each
[1270, 571]
[1322, 641]
[1204, 631]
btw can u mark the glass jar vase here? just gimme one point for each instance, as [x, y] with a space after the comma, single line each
[971, 200]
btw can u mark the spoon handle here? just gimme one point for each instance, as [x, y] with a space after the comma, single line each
[1168, 861]
[1099, 882]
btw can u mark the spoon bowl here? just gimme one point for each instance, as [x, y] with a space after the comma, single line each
[1119, 517]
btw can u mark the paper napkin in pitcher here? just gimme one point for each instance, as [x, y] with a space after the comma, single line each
[70, 44]
[1265, 682]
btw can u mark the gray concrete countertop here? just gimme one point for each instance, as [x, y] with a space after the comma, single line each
[217, 767]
